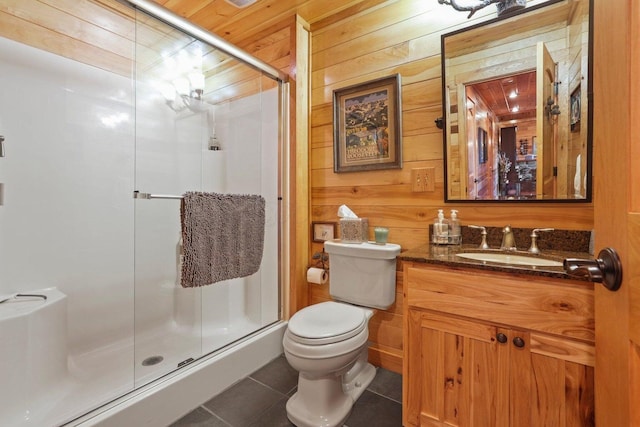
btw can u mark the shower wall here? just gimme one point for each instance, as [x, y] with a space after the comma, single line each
[67, 214]
[66, 219]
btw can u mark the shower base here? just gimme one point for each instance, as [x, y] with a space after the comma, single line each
[115, 394]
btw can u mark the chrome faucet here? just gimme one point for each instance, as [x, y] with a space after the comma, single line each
[483, 233]
[534, 236]
[508, 240]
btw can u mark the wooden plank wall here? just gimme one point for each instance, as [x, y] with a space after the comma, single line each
[578, 75]
[399, 37]
[83, 31]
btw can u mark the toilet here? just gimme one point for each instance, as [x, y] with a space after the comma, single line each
[327, 343]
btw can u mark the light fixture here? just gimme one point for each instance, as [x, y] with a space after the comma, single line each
[513, 94]
[515, 109]
[182, 81]
[471, 6]
[185, 91]
[183, 88]
[241, 3]
[196, 80]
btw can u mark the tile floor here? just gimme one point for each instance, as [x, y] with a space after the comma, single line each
[259, 401]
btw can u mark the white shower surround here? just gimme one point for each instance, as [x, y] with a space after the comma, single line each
[67, 220]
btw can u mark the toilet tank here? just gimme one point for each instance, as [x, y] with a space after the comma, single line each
[362, 274]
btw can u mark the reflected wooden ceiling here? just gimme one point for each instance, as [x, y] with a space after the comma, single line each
[510, 98]
[236, 24]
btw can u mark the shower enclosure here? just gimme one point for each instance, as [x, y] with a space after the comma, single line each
[102, 136]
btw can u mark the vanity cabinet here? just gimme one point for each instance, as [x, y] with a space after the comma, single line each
[494, 349]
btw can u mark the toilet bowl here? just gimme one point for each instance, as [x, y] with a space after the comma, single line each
[327, 344]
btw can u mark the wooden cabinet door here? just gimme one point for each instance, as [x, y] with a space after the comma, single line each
[468, 373]
[551, 380]
[455, 373]
[520, 378]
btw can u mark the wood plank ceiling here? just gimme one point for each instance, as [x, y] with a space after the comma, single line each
[236, 24]
[510, 98]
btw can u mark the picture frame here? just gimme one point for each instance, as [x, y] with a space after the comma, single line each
[482, 146]
[322, 231]
[367, 126]
[575, 108]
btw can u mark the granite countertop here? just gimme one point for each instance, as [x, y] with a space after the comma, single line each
[446, 255]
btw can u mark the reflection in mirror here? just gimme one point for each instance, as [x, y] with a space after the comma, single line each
[517, 120]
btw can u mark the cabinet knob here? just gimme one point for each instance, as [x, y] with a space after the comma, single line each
[502, 338]
[518, 342]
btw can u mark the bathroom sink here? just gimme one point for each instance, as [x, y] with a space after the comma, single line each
[505, 258]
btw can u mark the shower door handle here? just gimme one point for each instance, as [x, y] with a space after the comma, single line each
[1, 146]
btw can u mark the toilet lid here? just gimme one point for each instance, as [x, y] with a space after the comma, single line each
[327, 322]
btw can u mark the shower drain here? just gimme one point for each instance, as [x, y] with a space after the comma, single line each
[153, 360]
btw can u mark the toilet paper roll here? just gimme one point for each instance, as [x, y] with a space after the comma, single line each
[317, 275]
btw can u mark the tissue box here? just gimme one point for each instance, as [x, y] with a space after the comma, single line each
[354, 230]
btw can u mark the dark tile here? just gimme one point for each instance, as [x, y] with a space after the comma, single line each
[199, 417]
[276, 416]
[260, 401]
[278, 375]
[243, 403]
[374, 410]
[387, 384]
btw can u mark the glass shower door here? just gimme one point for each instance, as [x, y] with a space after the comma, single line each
[204, 122]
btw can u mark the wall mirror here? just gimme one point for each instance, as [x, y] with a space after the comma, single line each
[517, 106]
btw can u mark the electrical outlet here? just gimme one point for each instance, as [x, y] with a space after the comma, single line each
[423, 180]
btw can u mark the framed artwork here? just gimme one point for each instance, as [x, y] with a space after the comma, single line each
[575, 110]
[482, 146]
[321, 231]
[367, 126]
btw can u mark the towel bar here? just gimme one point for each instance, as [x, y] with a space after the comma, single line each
[139, 195]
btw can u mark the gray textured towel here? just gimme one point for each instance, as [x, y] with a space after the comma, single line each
[223, 236]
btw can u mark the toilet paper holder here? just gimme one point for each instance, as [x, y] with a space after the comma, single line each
[322, 260]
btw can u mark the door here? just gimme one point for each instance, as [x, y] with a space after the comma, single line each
[472, 161]
[545, 78]
[617, 207]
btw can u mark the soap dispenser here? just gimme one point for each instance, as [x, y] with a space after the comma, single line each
[455, 232]
[440, 235]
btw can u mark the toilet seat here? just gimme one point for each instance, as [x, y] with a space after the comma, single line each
[326, 323]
